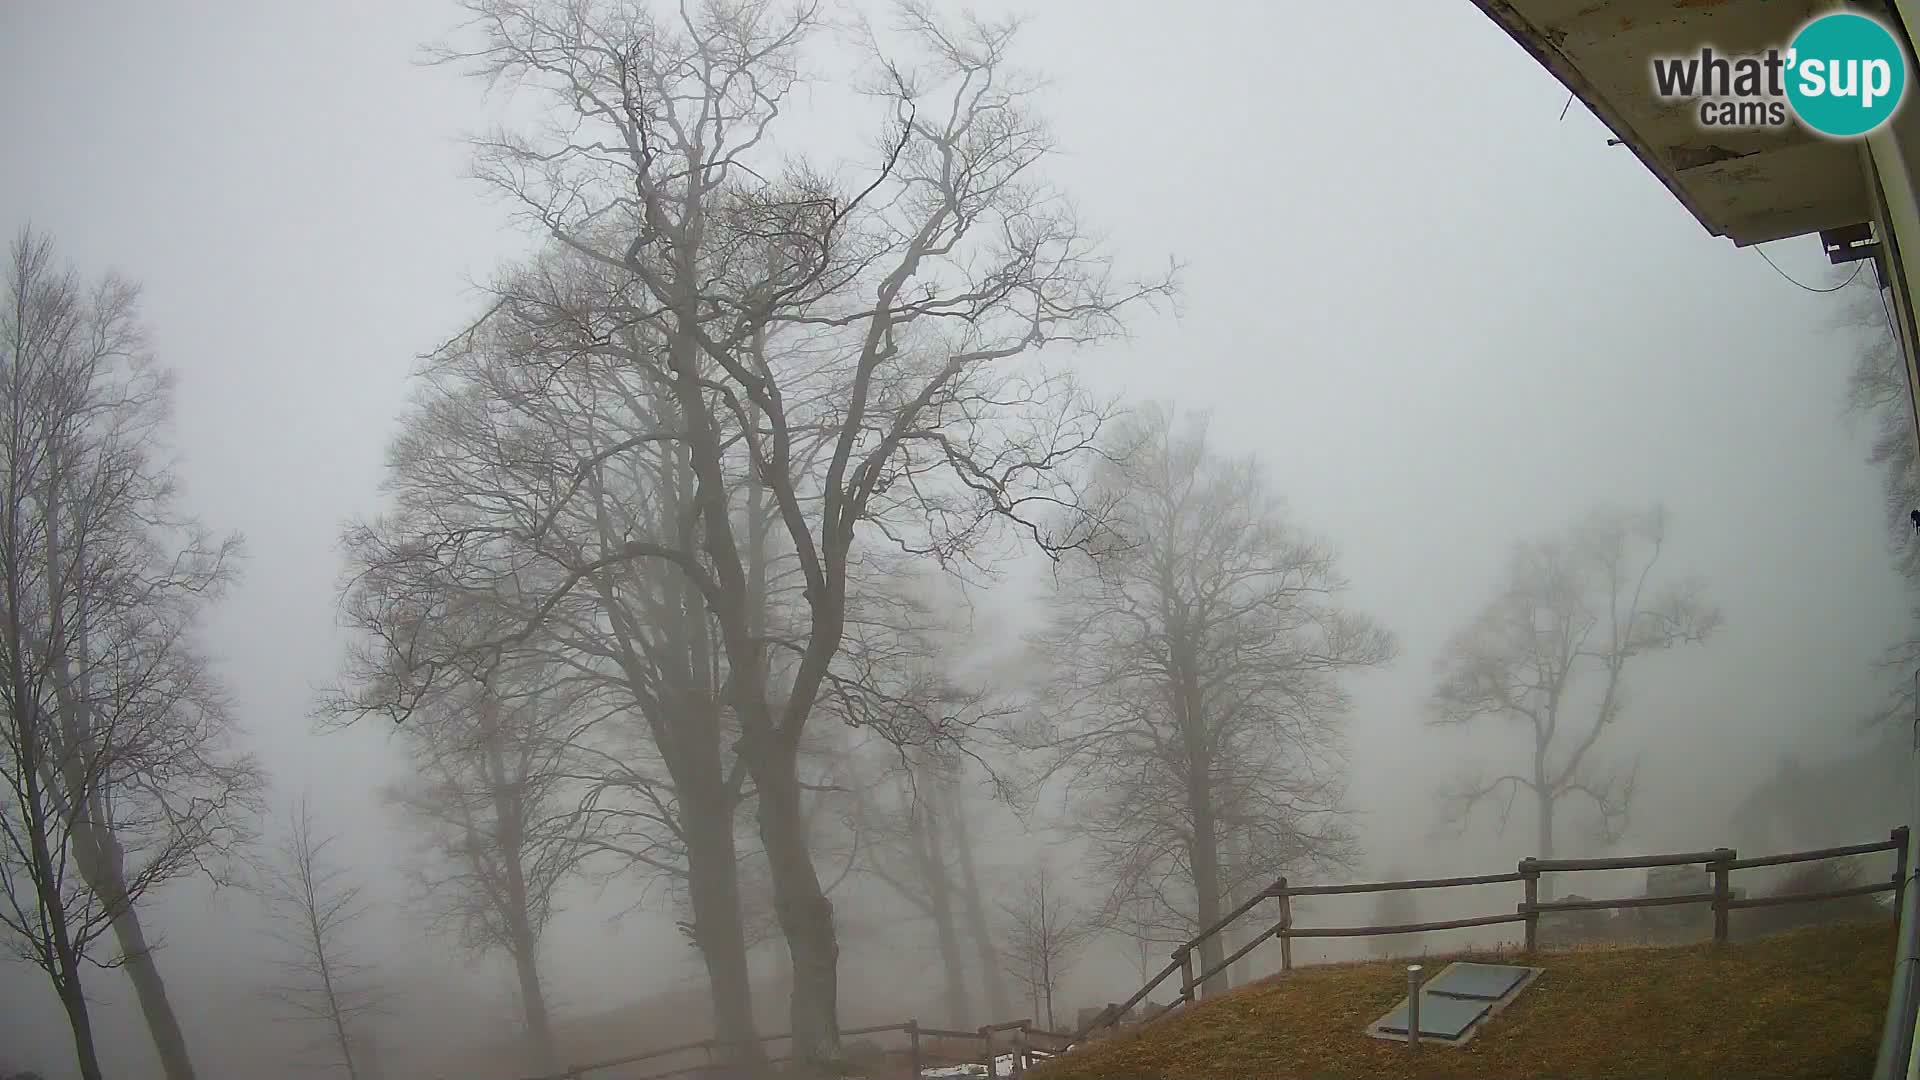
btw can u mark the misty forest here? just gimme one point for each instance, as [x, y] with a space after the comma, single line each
[539, 530]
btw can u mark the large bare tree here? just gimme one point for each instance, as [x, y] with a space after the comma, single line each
[769, 305]
[118, 762]
[315, 906]
[520, 467]
[1194, 693]
[1547, 657]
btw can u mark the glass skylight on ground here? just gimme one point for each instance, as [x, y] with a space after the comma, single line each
[1458, 1002]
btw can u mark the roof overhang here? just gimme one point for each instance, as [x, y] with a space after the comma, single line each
[1750, 186]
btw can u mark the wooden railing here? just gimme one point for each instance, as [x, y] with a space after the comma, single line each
[1720, 863]
[1018, 1040]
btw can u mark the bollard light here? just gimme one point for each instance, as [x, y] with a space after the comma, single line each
[1414, 977]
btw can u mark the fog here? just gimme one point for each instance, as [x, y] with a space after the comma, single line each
[1442, 315]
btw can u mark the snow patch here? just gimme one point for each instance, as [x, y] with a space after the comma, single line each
[1002, 1066]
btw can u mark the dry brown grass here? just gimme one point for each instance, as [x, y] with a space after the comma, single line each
[1808, 1003]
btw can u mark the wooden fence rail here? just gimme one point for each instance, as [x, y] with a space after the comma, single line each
[1719, 863]
[1020, 1040]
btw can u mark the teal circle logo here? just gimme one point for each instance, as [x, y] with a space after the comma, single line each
[1846, 74]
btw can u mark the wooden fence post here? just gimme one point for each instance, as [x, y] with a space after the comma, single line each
[1900, 869]
[1722, 894]
[1185, 956]
[913, 1047]
[986, 1036]
[1527, 908]
[1286, 925]
[1019, 1051]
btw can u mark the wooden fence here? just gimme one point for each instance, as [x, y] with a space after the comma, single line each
[1019, 1041]
[1720, 863]
[1023, 1044]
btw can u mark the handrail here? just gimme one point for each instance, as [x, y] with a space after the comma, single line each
[1117, 1011]
[1623, 902]
[1821, 853]
[1247, 905]
[1629, 862]
[1812, 897]
[1396, 886]
[1402, 928]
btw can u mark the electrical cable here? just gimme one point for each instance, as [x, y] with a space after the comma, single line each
[1776, 269]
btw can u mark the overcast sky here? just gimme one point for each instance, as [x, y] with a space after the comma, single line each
[1445, 317]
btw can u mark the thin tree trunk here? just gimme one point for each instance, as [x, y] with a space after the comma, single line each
[52, 905]
[32, 759]
[533, 1005]
[168, 1040]
[1543, 842]
[526, 964]
[509, 815]
[1047, 983]
[929, 850]
[992, 975]
[335, 1018]
[102, 865]
[85, 1056]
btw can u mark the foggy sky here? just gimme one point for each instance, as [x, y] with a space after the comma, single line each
[1444, 317]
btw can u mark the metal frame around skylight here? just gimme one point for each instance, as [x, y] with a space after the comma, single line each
[1470, 986]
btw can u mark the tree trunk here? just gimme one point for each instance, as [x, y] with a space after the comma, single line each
[930, 852]
[533, 1003]
[341, 1038]
[102, 865]
[1204, 850]
[1242, 932]
[1049, 1003]
[713, 892]
[805, 915]
[1205, 855]
[509, 813]
[804, 912]
[85, 1056]
[1544, 841]
[168, 1041]
[53, 909]
[992, 974]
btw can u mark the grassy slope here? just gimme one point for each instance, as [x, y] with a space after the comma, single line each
[1807, 1003]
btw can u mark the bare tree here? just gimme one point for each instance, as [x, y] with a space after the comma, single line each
[973, 903]
[490, 792]
[1578, 605]
[1045, 930]
[911, 852]
[767, 303]
[1194, 690]
[120, 773]
[315, 908]
[515, 471]
[1879, 393]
